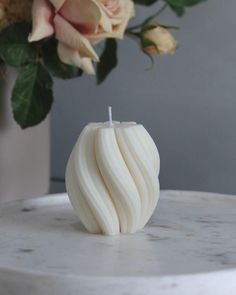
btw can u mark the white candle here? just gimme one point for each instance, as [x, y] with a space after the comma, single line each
[112, 177]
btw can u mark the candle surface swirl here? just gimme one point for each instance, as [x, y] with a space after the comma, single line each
[112, 177]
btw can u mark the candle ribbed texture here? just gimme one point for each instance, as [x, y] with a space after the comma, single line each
[112, 177]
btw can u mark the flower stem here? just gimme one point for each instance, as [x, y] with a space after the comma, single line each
[130, 29]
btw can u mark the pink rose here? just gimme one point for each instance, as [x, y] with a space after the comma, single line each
[78, 24]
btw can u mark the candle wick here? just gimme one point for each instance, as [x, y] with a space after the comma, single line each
[110, 115]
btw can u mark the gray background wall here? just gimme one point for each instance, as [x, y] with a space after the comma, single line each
[187, 102]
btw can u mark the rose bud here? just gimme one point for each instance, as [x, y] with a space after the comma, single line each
[158, 40]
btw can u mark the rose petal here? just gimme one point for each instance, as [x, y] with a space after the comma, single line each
[111, 6]
[57, 3]
[105, 21]
[84, 14]
[41, 15]
[127, 11]
[68, 35]
[119, 21]
[72, 57]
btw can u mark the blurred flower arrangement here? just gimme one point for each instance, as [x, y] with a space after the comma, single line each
[57, 38]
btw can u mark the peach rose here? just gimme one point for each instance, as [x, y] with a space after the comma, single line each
[78, 24]
[163, 41]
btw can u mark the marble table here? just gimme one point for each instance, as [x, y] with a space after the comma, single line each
[188, 248]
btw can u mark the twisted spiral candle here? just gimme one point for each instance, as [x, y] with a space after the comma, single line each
[112, 177]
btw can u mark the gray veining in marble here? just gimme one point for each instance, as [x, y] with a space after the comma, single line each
[190, 233]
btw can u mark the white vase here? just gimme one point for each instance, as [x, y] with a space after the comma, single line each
[24, 154]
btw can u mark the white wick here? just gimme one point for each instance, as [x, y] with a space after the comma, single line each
[110, 115]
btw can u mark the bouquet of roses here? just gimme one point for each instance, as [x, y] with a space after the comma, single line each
[57, 38]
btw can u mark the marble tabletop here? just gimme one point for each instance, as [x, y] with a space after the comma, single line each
[188, 247]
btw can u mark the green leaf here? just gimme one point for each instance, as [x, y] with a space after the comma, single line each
[108, 60]
[151, 62]
[145, 43]
[15, 49]
[145, 2]
[55, 66]
[170, 27]
[177, 6]
[148, 27]
[32, 95]
[193, 2]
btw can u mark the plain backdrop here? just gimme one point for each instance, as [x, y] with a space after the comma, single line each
[187, 102]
